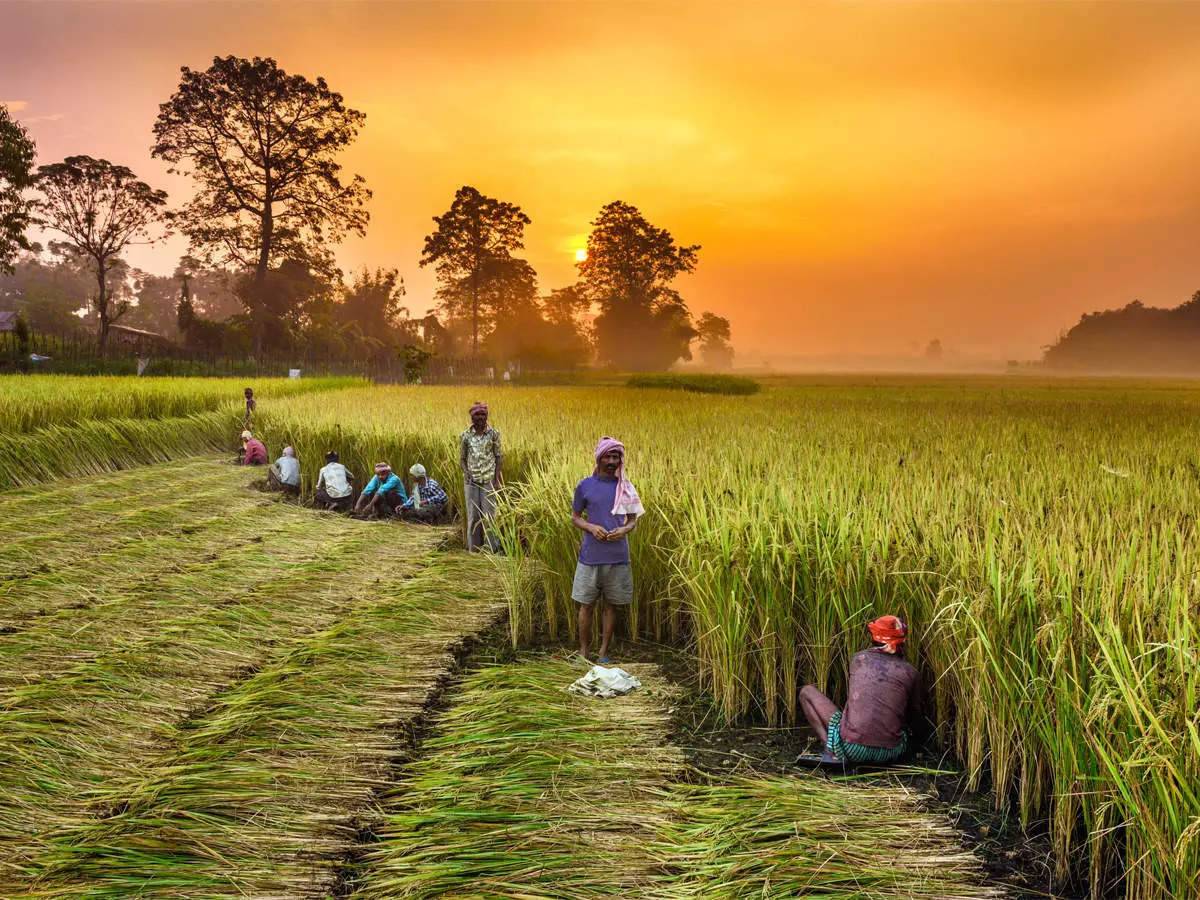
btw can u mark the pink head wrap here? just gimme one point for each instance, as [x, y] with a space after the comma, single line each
[626, 502]
[382, 467]
[478, 406]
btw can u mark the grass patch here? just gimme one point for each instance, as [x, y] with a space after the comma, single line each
[699, 384]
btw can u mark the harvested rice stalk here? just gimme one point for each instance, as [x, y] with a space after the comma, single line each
[263, 794]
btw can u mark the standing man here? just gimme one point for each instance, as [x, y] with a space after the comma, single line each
[882, 698]
[479, 454]
[606, 509]
[384, 494]
[250, 407]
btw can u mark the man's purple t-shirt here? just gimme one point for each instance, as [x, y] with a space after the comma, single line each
[594, 496]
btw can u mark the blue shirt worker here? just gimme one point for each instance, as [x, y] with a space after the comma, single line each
[384, 494]
[606, 510]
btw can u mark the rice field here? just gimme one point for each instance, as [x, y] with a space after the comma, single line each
[173, 718]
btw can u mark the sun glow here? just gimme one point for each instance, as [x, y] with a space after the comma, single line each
[581, 254]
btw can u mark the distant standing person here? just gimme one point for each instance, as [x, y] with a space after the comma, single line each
[606, 510]
[882, 698]
[480, 456]
[284, 474]
[383, 495]
[334, 490]
[251, 405]
[254, 451]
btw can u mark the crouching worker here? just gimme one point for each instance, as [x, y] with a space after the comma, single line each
[284, 474]
[384, 494]
[605, 509]
[883, 698]
[333, 484]
[254, 451]
[426, 500]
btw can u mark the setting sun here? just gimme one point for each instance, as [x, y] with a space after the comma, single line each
[581, 254]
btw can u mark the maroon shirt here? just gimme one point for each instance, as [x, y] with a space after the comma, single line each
[256, 453]
[884, 691]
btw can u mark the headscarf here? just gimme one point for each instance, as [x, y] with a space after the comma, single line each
[478, 406]
[246, 435]
[889, 631]
[417, 470]
[289, 451]
[626, 501]
[382, 467]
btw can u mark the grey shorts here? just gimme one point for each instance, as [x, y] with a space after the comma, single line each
[613, 582]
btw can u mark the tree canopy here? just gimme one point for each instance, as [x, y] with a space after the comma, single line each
[100, 208]
[16, 176]
[643, 323]
[262, 147]
[472, 250]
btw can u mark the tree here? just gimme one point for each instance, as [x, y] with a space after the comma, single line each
[472, 250]
[373, 303]
[630, 264]
[933, 350]
[16, 176]
[101, 208]
[262, 147]
[714, 333]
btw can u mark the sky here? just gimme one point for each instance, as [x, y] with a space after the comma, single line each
[862, 177]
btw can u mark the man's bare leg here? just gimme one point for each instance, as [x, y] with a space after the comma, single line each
[818, 709]
[608, 622]
[585, 629]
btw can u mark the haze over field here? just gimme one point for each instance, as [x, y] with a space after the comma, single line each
[862, 177]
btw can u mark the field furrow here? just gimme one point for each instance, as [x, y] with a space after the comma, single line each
[91, 728]
[527, 792]
[264, 794]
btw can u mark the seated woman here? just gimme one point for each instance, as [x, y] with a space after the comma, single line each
[883, 698]
[427, 501]
[284, 474]
[383, 495]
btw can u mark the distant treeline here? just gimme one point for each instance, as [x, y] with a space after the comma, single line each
[1137, 338]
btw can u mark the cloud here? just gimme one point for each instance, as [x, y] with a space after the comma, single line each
[51, 118]
[15, 106]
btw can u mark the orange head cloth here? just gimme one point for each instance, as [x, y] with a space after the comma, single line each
[889, 631]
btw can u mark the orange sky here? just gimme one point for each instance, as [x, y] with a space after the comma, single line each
[862, 176]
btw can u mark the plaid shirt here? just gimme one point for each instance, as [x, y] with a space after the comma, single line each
[478, 454]
[431, 494]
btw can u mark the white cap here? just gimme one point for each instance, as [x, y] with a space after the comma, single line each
[417, 470]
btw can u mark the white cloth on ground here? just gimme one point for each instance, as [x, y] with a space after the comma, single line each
[605, 683]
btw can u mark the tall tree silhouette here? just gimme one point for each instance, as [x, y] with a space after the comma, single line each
[472, 250]
[16, 175]
[714, 333]
[262, 147]
[101, 209]
[630, 264]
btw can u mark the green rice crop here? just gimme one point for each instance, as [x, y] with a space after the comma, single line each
[1040, 538]
[30, 402]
